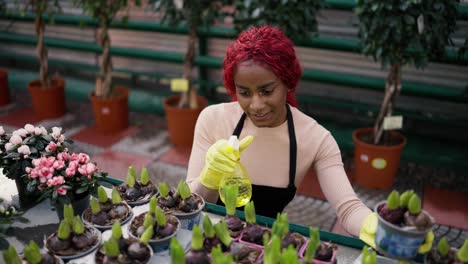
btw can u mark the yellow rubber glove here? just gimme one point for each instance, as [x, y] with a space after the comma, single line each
[369, 228]
[221, 159]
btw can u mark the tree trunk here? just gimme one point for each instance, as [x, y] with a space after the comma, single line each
[41, 49]
[106, 63]
[392, 89]
[189, 98]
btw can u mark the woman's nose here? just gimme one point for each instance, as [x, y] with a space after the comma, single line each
[257, 103]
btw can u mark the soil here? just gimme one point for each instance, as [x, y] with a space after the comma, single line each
[299, 240]
[175, 209]
[244, 254]
[107, 207]
[144, 197]
[100, 254]
[255, 240]
[73, 251]
[325, 251]
[140, 219]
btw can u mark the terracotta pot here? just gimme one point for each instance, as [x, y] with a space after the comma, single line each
[111, 114]
[4, 91]
[376, 166]
[181, 121]
[48, 102]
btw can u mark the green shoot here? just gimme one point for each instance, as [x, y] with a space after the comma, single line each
[130, 181]
[111, 247]
[163, 189]
[144, 176]
[183, 189]
[177, 252]
[152, 205]
[462, 253]
[368, 256]
[230, 196]
[404, 198]
[68, 213]
[160, 217]
[116, 199]
[414, 204]
[314, 243]
[148, 220]
[223, 233]
[78, 226]
[116, 230]
[208, 227]
[393, 200]
[102, 195]
[272, 250]
[219, 257]
[147, 235]
[11, 256]
[132, 173]
[32, 253]
[250, 212]
[197, 238]
[281, 225]
[289, 256]
[95, 207]
[64, 230]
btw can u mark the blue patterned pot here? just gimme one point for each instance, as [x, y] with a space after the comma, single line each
[397, 242]
[188, 220]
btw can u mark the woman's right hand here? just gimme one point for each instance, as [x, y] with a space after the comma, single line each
[221, 159]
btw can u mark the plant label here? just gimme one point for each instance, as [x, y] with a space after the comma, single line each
[179, 85]
[393, 122]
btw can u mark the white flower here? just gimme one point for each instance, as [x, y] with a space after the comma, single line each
[21, 132]
[30, 128]
[44, 131]
[61, 139]
[24, 150]
[16, 139]
[2, 131]
[56, 132]
[37, 131]
[9, 146]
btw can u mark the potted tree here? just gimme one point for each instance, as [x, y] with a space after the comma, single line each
[182, 110]
[110, 104]
[47, 93]
[396, 33]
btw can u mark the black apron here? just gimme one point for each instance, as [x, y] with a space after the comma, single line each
[272, 200]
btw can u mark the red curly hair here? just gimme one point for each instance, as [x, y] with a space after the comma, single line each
[269, 47]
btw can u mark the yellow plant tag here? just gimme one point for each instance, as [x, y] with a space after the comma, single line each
[393, 122]
[179, 85]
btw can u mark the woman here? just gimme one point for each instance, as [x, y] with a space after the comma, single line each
[261, 72]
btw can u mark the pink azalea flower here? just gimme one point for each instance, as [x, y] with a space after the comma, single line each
[24, 150]
[87, 169]
[59, 164]
[21, 132]
[63, 156]
[56, 132]
[83, 158]
[61, 191]
[9, 146]
[44, 131]
[37, 131]
[30, 128]
[16, 139]
[51, 147]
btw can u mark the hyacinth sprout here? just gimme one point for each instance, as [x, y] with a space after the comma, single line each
[163, 189]
[149, 221]
[130, 180]
[208, 227]
[116, 230]
[250, 212]
[393, 200]
[230, 195]
[219, 257]
[368, 256]
[223, 233]
[289, 256]
[197, 238]
[111, 247]
[414, 204]
[78, 226]
[314, 243]
[183, 190]
[11, 256]
[152, 205]
[64, 230]
[102, 195]
[116, 198]
[68, 213]
[95, 207]
[32, 253]
[462, 253]
[147, 235]
[160, 217]
[404, 198]
[272, 249]
[144, 176]
[177, 252]
[281, 225]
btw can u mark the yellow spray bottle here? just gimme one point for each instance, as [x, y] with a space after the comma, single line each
[239, 177]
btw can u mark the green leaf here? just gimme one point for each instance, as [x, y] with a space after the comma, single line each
[393, 200]
[116, 199]
[183, 189]
[404, 198]
[177, 252]
[130, 180]
[314, 243]
[117, 230]
[197, 238]
[11, 256]
[68, 213]
[64, 230]
[443, 247]
[160, 217]
[368, 256]
[149, 221]
[147, 235]
[219, 257]
[102, 195]
[208, 227]
[32, 253]
[230, 196]
[152, 205]
[95, 207]
[163, 189]
[144, 176]
[414, 204]
[78, 226]
[222, 232]
[289, 256]
[272, 249]
[111, 247]
[462, 253]
[250, 212]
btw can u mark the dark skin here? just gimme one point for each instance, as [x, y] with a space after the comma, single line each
[261, 94]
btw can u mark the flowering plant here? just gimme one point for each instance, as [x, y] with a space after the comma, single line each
[64, 176]
[17, 150]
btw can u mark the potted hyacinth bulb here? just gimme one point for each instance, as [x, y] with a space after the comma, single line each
[234, 223]
[32, 255]
[137, 192]
[402, 225]
[104, 212]
[253, 232]
[442, 253]
[211, 240]
[184, 204]
[281, 229]
[197, 254]
[318, 252]
[124, 250]
[219, 257]
[73, 239]
[163, 226]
